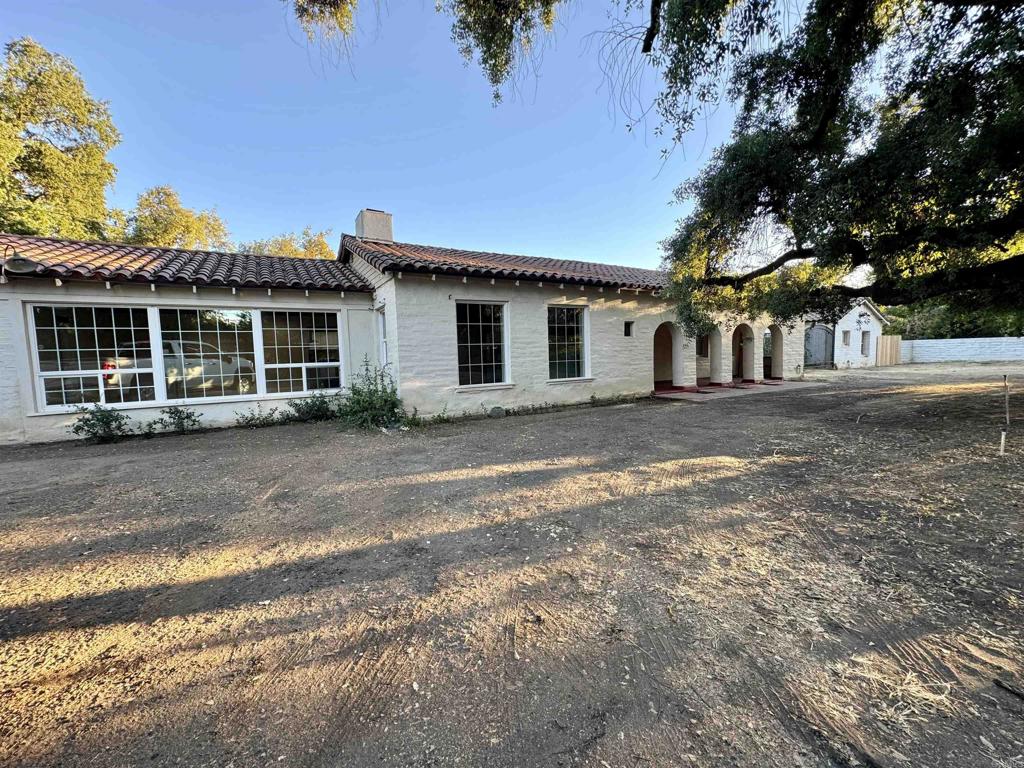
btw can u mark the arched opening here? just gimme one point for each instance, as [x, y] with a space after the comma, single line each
[663, 357]
[715, 357]
[743, 353]
[672, 371]
[773, 354]
[819, 346]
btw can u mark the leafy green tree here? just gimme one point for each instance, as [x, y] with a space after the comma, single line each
[308, 244]
[934, 320]
[876, 150]
[54, 140]
[160, 219]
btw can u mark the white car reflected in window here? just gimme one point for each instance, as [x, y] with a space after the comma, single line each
[191, 369]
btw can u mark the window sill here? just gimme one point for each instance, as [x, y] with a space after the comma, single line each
[195, 403]
[483, 387]
[578, 380]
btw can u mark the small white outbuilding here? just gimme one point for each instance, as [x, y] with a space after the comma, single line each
[851, 343]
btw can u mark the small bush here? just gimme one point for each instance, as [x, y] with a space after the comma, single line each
[258, 417]
[178, 418]
[442, 416]
[414, 419]
[373, 401]
[316, 407]
[100, 424]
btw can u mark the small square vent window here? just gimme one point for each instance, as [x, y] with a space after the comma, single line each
[627, 328]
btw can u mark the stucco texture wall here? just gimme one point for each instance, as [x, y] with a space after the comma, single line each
[973, 350]
[856, 321]
[619, 364]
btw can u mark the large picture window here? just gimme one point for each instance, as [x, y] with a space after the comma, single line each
[566, 349]
[301, 351]
[207, 352]
[480, 329]
[118, 355]
[93, 355]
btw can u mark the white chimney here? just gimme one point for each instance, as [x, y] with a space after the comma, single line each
[372, 224]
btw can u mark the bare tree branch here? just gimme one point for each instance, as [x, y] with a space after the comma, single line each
[654, 27]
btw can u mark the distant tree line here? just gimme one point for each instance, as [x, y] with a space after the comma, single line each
[935, 320]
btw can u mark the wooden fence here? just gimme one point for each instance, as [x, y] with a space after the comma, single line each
[888, 352]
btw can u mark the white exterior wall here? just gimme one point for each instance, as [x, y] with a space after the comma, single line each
[972, 350]
[619, 365]
[429, 376]
[855, 321]
[384, 298]
[22, 419]
[793, 350]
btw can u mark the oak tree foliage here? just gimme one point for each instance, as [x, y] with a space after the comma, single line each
[876, 150]
[54, 139]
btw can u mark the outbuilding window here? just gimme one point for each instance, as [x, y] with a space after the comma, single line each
[865, 343]
[480, 331]
[93, 355]
[846, 338]
[566, 349]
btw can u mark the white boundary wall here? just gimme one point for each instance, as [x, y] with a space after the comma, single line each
[971, 350]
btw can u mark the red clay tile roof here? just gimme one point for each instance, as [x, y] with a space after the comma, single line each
[406, 257]
[116, 262]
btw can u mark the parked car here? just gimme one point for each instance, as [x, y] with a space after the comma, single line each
[190, 368]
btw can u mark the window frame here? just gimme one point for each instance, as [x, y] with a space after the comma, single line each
[585, 317]
[156, 340]
[39, 376]
[382, 336]
[628, 329]
[506, 344]
[261, 378]
[846, 338]
[865, 343]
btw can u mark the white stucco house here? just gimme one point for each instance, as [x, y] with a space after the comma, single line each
[140, 328]
[851, 343]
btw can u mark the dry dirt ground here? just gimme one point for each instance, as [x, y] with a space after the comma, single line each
[826, 576]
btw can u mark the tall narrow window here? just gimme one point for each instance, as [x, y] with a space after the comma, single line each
[382, 331]
[301, 351]
[627, 328]
[566, 355]
[93, 354]
[846, 338]
[480, 330]
[865, 343]
[207, 352]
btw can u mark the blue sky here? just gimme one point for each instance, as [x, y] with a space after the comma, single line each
[229, 104]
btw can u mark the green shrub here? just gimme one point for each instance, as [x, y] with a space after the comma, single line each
[257, 417]
[178, 418]
[373, 401]
[100, 424]
[316, 407]
[442, 416]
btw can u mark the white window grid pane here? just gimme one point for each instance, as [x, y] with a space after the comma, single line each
[307, 345]
[480, 335]
[77, 347]
[565, 342]
[208, 353]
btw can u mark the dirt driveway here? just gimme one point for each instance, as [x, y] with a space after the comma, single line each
[825, 576]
